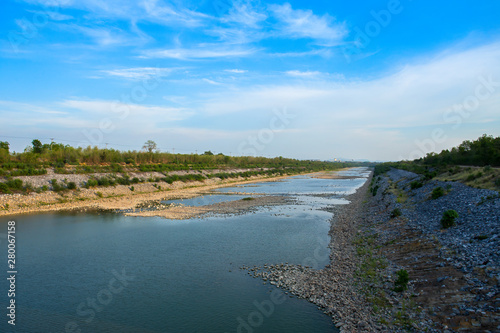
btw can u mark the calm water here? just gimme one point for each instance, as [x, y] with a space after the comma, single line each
[112, 273]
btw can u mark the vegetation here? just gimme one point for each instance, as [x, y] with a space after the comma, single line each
[474, 163]
[437, 192]
[416, 184]
[66, 159]
[481, 152]
[396, 212]
[401, 282]
[448, 219]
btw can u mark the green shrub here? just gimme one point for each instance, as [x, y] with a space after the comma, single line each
[4, 189]
[396, 212]
[437, 192]
[99, 194]
[71, 186]
[132, 188]
[401, 282]
[448, 219]
[16, 184]
[55, 186]
[416, 184]
[375, 189]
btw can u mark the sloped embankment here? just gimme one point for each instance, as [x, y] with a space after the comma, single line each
[454, 273]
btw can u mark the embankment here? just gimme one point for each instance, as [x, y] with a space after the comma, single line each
[394, 229]
[118, 197]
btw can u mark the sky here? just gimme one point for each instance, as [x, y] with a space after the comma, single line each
[376, 80]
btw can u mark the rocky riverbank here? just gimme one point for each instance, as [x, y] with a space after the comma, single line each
[452, 282]
[331, 288]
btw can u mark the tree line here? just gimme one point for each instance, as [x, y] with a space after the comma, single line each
[67, 159]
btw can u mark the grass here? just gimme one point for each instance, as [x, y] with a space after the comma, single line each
[401, 196]
[368, 271]
[484, 178]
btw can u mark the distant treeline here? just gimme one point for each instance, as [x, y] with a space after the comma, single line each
[485, 151]
[67, 159]
[481, 152]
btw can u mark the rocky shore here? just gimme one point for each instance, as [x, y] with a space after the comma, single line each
[332, 287]
[453, 274]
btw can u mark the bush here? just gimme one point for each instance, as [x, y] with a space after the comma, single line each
[55, 186]
[99, 194]
[71, 186]
[416, 184]
[4, 189]
[16, 184]
[395, 213]
[401, 282]
[448, 219]
[437, 192]
[374, 190]
[132, 188]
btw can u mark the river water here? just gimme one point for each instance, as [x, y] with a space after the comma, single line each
[104, 272]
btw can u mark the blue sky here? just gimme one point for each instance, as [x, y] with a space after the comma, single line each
[379, 80]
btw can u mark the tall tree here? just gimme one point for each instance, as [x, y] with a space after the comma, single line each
[150, 146]
[37, 146]
[4, 145]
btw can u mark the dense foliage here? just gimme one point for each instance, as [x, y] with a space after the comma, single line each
[483, 151]
[67, 159]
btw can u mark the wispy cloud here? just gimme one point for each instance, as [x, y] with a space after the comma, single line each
[303, 74]
[212, 82]
[149, 112]
[236, 71]
[199, 53]
[139, 73]
[296, 23]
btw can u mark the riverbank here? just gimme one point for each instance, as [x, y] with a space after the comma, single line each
[453, 273]
[394, 269]
[332, 287]
[118, 197]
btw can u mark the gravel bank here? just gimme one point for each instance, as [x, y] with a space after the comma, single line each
[331, 288]
[453, 274]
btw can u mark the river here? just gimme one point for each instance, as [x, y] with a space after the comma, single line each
[105, 272]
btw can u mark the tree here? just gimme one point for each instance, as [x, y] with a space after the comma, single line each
[150, 146]
[37, 146]
[4, 145]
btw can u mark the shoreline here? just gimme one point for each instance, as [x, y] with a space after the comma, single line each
[332, 288]
[118, 197]
[452, 274]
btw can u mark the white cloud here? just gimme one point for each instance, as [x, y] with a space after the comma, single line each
[147, 113]
[211, 82]
[236, 71]
[244, 14]
[304, 24]
[202, 53]
[140, 73]
[388, 113]
[303, 74]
